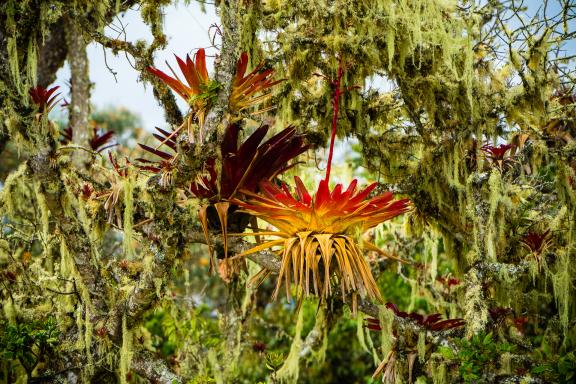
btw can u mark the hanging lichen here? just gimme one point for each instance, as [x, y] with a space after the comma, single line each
[291, 367]
[125, 352]
[128, 217]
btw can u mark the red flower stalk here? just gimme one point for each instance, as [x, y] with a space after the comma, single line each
[45, 99]
[335, 104]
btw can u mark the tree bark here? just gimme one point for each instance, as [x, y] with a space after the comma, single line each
[79, 108]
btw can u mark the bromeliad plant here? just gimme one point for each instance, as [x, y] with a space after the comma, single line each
[100, 140]
[497, 154]
[244, 166]
[45, 99]
[165, 166]
[199, 91]
[408, 340]
[113, 195]
[317, 235]
[537, 243]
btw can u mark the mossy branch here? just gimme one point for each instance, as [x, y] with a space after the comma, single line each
[153, 369]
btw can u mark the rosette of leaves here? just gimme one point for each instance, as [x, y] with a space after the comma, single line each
[316, 236]
[244, 166]
[200, 92]
[114, 194]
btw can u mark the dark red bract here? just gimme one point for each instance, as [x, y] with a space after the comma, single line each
[45, 99]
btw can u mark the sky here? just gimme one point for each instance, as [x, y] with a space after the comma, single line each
[186, 27]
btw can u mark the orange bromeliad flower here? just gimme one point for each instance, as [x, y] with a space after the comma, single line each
[317, 235]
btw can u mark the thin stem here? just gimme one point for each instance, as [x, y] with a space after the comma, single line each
[336, 103]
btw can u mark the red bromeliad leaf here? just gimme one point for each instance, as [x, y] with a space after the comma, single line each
[536, 242]
[67, 136]
[99, 142]
[199, 89]
[431, 322]
[45, 99]
[245, 88]
[165, 164]
[165, 138]
[373, 324]
[194, 72]
[496, 153]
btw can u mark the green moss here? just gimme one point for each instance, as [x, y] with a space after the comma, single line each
[360, 331]
[31, 62]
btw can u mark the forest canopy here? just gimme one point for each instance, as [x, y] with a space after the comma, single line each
[356, 192]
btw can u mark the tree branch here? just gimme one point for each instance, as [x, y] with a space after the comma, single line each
[226, 67]
[155, 370]
[80, 86]
[143, 59]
